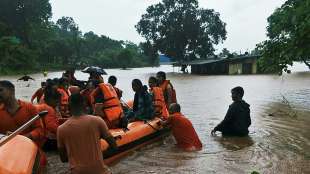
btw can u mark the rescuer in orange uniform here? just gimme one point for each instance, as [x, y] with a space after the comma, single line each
[183, 130]
[51, 120]
[14, 113]
[65, 93]
[158, 99]
[38, 94]
[166, 86]
[107, 104]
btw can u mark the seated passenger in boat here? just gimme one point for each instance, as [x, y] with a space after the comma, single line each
[112, 80]
[158, 99]
[237, 119]
[182, 129]
[51, 120]
[107, 105]
[142, 104]
[166, 86]
[79, 137]
[16, 113]
[38, 94]
[65, 93]
[86, 93]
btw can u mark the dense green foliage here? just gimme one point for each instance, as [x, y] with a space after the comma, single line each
[30, 41]
[289, 37]
[181, 30]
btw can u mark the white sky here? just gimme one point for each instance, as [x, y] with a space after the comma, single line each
[246, 19]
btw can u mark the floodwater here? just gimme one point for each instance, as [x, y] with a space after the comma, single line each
[279, 139]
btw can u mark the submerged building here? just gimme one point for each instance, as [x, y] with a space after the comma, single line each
[246, 64]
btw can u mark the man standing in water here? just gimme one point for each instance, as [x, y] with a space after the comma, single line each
[79, 139]
[237, 119]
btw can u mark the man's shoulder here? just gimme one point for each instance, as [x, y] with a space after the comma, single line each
[27, 105]
[24, 103]
[92, 118]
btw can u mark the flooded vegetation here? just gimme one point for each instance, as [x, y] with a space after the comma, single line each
[279, 139]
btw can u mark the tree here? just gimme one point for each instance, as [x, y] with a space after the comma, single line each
[289, 37]
[182, 30]
[125, 58]
[150, 52]
[15, 56]
[24, 17]
[225, 52]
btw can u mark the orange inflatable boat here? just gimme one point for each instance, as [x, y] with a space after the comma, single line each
[139, 134]
[19, 156]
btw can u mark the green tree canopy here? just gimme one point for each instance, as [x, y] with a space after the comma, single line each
[30, 41]
[182, 30]
[289, 37]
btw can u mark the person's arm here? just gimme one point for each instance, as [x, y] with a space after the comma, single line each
[61, 148]
[51, 121]
[166, 122]
[169, 94]
[105, 134]
[37, 132]
[227, 120]
[35, 95]
[120, 93]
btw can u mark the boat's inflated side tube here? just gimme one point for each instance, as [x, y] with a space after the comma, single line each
[139, 133]
[19, 156]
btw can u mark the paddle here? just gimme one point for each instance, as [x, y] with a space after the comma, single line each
[23, 127]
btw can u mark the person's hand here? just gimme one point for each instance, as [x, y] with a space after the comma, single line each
[8, 133]
[213, 132]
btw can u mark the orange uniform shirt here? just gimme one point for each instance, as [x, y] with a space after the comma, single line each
[51, 122]
[184, 132]
[25, 112]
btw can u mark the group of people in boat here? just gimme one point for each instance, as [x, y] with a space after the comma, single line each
[79, 115]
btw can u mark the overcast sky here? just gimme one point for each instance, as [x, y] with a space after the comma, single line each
[246, 19]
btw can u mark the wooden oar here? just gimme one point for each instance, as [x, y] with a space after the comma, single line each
[23, 127]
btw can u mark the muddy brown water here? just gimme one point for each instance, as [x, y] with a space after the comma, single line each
[279, 139]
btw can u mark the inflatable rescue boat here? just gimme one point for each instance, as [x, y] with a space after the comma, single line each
[139, 134]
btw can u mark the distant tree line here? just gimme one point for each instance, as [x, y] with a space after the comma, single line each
[30, 41]
[288, 34]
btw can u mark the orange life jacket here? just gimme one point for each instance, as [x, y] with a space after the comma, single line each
[159, 103]
[164, 86]
[64, 102]
[111, 105]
